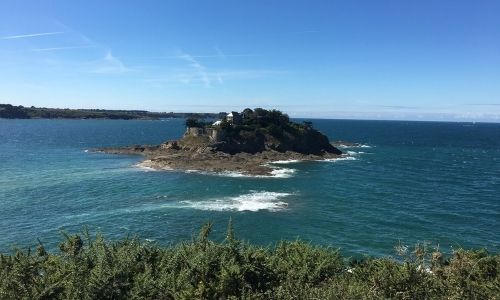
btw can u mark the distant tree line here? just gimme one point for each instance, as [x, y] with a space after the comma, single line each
[19, 112]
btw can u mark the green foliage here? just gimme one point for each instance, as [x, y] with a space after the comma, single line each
[192, 122]
[12, 112]
[260, 122]
[93, 268]
[195, 122]
[262, 118]
[307, 124]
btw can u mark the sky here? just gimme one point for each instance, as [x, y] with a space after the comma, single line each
[359, 59]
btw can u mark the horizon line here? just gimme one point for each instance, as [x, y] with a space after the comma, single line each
[396, 119]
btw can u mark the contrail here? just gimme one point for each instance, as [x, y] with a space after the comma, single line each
[11, 37]
[62, 48]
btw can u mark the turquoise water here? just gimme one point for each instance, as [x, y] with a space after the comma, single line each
[412, 181]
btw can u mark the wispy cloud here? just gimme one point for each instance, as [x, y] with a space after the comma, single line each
[198, 67]
[22, 36]
[192, 76]
[63, 48]
[397, 106]
[298, 32]
[219, 52]
[219, 79]
[109, 64]
[483, 104]
[207, 56]
[249, 73]
[198, 73]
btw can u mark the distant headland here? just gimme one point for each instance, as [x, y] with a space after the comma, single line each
[243, 142]
[9, 111]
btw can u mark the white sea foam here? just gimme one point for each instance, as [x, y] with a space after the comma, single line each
[123, 211]
[275, 173]
[343, 146]
[344, 157]
[144, 168]
[284, 162]
[222, 173]
[253, 201]
[230, 174]
[355, 153]
[281, 173]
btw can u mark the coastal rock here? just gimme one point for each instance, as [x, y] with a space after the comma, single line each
[170, 145]
[247, 145]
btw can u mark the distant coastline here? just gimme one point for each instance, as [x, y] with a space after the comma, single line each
[8, 111]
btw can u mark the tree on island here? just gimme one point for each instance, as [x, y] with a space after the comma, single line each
[193, 122]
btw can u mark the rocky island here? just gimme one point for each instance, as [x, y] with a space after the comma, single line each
[245, 143]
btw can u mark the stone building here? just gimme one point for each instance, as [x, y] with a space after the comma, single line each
[214, 134]
[234, 117]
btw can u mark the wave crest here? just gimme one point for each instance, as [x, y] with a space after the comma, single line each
[254, 201]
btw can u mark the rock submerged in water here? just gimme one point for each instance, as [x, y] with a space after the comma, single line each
[245, 143]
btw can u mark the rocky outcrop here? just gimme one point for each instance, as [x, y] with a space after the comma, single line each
[261, 130]
[210, 160]
[259, 138]
[309, 142]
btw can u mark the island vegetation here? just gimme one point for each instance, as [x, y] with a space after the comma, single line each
[88, 267]
[258, 130]
[244, 142]
[9, 111]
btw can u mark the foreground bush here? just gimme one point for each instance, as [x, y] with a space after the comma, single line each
[92, 268]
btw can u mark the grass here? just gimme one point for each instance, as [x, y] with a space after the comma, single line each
[92, 268]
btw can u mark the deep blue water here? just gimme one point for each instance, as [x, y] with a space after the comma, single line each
[414, 181]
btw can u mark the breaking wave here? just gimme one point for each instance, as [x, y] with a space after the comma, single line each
[352, 153]
[284, 162]
[254, 201]
[275, 173]
[344, 157]
[281, 173]
[144, 167]
[349, 146]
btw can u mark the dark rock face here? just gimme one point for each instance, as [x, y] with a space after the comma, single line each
[307, 141]
[254, 131]
[247, 142]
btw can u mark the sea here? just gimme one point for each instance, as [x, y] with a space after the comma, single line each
[405, 183]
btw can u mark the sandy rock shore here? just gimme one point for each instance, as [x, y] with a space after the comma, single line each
[160, 158]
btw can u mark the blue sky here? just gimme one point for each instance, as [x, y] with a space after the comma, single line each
[422, 60]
